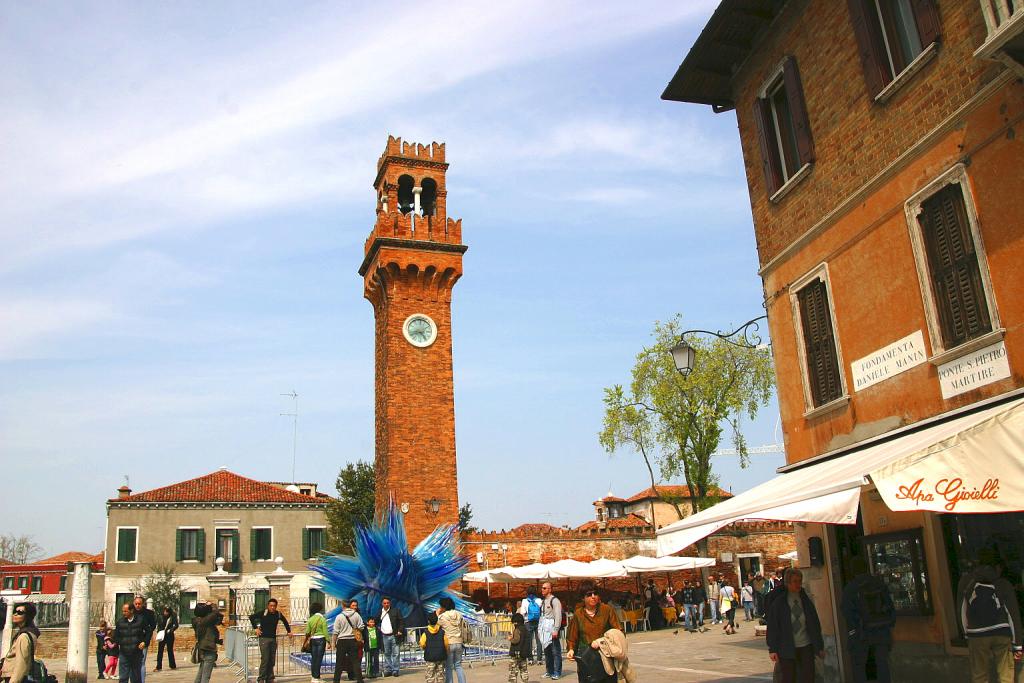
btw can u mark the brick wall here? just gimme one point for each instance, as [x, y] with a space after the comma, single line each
[854, 138]
[53, 644]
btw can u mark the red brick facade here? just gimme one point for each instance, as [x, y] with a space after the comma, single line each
[412, 262]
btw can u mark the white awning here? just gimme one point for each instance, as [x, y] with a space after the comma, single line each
[573, 569]
[642, 564]
[791, 555]
[975, 448]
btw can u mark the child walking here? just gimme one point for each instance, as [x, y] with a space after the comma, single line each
[112, 651]
[371, 641]
[435, 649]
[519, 650]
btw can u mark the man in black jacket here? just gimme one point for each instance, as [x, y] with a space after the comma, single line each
[148, 616]
[265, 623]
[794, 631]
[870, 616]
[392, 630]
[132, 633]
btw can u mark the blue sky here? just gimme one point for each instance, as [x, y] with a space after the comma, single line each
[185, 192]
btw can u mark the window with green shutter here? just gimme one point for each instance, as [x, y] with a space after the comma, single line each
[186, 605]
[317, 595]
[120, 600]
[261, 544]
[823, 373]
[63, 583]
[189, 545]
[22, 582]
[127, 544]
[260, 598]
[8, 583]
[312, 542]
[37, 584]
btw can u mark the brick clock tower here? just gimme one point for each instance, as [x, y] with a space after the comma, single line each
[413, 259]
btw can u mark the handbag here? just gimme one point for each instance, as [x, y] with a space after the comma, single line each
[196, 656]
[591, 667]
[356, 633]
[464, 631]
[160, 635]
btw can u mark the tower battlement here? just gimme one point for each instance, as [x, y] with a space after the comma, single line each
[396, 147]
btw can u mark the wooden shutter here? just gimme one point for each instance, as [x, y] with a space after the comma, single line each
[179, 554]
[819, 344]
[953, 266]
[798, 110]
[869, 44]
[770, 161]
[236, 552]
[253, 550]
[201, 545]
[305, 544]
[926, 14]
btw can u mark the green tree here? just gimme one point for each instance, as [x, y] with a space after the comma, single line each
[161, 585]
[676, 423]
[353, 506]
[465, 519]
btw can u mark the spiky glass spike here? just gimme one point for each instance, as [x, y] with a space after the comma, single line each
[384, 567]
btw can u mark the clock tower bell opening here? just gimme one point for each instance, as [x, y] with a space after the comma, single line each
[413, 258]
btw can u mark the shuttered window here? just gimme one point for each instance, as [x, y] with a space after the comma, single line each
[127, 544]
[261, 545]
[783, 129]
[953, 269]
[890, 35]
[312, 542]
[819, 343]
[190, 544]
[37, 584]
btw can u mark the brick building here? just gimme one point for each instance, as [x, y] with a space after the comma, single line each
[883, 159]
[659, 507]
[413, 260]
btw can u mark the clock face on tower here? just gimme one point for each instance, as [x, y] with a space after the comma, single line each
[419, 330]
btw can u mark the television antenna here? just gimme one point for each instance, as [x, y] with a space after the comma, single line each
[295, 426]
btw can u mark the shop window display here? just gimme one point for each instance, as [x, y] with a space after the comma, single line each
[898, 558]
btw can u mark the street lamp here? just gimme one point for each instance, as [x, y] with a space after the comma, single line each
[683, 355]
[433, 505]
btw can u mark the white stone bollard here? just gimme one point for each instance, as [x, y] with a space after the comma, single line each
[79, 638]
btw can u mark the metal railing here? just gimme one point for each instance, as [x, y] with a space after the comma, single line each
[489, 644]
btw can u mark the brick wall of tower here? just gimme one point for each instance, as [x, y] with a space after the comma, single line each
[412, 263]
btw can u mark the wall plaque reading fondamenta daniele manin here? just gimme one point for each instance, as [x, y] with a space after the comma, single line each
[888, 361]
[974, 370]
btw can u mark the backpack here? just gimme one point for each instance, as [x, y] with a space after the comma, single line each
[985, 611]
[872, 608]
[533, 609]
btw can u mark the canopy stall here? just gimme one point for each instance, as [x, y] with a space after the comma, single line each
[965, 463]
[642, 564]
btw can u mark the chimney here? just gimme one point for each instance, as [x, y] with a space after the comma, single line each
[123, 492]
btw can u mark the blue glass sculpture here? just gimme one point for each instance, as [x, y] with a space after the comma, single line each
[384, 567]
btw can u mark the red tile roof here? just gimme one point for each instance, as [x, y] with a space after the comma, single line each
[221, 486]
[630, 521]
[610, 499]
[535, 528]
[674, 492]
[72, 556]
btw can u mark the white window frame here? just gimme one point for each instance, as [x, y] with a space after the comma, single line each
[940, 354]
[191, 528]
[272, 534]
[740, 556]
[819, 272]
[117, 544]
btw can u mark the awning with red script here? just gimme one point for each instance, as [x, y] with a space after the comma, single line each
[976, 459]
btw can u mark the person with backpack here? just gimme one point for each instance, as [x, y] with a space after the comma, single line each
[531, 609]
[551, 620]
[990, 618]
[519, 650]
[316, 639]
[591, 620]
[870, 615]
[452, 623]
[101, 657]
[19, 662]
[346, 647]
[435, 649]
[715, 598]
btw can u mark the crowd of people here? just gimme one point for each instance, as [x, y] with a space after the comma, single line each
[594, 637]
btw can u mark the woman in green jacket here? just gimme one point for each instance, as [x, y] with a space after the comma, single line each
[316, 637]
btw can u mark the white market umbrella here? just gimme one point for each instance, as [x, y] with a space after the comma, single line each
[642, 564]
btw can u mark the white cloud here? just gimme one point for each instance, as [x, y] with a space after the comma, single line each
[30, 322]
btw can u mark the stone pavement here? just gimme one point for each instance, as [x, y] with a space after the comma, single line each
[665, 656]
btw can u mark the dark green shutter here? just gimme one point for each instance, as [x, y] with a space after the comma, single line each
[178, 556]
[819, 344]
[201, 545]
[122, 545]
[236, 552]
[253, 550]
[305, 544]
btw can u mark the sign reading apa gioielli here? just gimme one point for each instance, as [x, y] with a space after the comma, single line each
[974, 370]
[888, 361]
